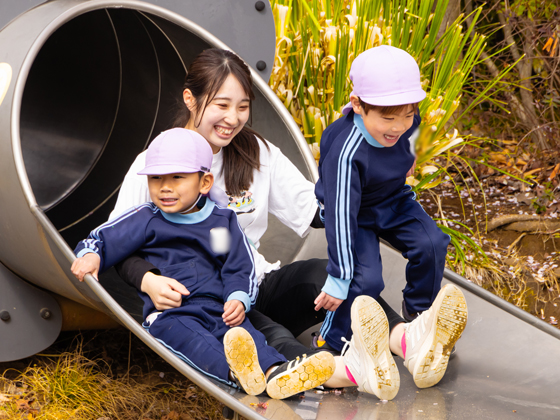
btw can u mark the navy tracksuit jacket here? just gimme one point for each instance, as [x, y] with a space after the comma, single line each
[186, 247]
[362, 187]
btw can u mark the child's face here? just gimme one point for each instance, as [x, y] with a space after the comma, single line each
[175, 193]
[224, 116]
[385, 128]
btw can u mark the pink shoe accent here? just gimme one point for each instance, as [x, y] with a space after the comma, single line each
[352, 414]
[403, 345]
[350, 376]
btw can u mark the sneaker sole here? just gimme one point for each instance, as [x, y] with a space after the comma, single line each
[371, 329]
[315, 371]
[241, 356]
[449, 323]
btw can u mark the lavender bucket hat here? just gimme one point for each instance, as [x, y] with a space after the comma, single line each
[182, 151]
[385, 76]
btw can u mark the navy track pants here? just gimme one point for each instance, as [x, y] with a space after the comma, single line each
[403, 223]
[195, 332]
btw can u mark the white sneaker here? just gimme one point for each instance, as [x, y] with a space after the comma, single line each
[431, 337]
[367, 354]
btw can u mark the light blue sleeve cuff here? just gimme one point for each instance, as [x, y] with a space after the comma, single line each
[337, 288]
[84, 252]
[242, 297]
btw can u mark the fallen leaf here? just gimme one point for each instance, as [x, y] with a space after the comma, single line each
[173, 415]
[554, 172]
[533, 171]
[23, 405]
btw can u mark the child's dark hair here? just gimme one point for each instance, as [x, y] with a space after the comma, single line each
[205, 77]
[386, 110]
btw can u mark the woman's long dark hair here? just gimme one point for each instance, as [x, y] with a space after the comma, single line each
[205, 77]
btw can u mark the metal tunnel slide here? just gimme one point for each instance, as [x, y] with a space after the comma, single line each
[84, 86]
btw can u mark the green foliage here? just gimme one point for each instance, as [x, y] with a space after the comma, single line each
[317, 40]
[545, 195]
[523, 34]
[533, 8]
[467, 251]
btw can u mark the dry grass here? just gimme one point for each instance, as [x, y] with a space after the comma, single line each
[514, 280]
[67, 384]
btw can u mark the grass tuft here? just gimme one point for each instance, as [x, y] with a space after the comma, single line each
[70, 386]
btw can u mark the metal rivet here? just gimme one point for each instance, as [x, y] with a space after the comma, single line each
[5, 316]
[259, 6]
[261, 65]
[45, 313]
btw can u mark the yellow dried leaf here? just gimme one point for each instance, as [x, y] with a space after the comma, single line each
[428, 169]
[412, 181]
[498, 157]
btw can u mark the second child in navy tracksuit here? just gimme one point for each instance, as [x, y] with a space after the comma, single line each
[365, 158]
[200, 244]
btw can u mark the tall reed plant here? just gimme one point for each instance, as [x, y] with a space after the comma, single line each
[317, 41]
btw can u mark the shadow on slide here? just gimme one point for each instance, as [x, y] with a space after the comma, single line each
[84, 87]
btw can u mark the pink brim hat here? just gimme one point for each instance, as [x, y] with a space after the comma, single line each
[182, 151]
[385, 76]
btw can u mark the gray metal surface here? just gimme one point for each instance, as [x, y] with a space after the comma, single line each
[92, 83]
[30, 318]
[505, 366]
[64, 148]
[10, 9]
[74, 119]
[247, 31]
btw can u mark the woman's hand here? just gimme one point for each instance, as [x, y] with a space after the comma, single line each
[89, 263]
[165, 292]
[327, 301]
[234, 313]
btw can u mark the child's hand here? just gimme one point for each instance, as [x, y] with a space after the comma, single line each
[327, 301]
[89, 263]
[165, 292]
[234, 313]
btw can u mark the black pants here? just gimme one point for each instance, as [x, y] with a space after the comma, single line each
[285, 307]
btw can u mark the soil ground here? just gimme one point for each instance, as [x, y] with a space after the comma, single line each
[524, 260]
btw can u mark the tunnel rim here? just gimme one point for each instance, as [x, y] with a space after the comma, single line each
[75, 10]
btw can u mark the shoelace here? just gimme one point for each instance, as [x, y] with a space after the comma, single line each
[346, 345]
[292, 363]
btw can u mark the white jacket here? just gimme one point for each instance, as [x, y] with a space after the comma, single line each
[278, 187]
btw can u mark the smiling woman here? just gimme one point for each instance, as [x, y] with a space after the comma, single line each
[224, 114]
[92, 84]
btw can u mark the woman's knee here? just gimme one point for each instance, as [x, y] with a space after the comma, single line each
[314, 271]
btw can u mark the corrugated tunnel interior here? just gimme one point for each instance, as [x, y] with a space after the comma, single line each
[102, 86]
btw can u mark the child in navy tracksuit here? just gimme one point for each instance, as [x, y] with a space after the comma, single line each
[193, 240]
[365, 158]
